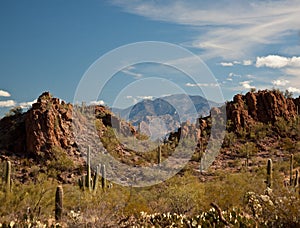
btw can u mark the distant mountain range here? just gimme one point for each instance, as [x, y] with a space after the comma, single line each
[172, 110]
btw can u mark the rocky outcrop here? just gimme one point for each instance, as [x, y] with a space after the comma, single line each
[263, 106]
[48, 123]
[109, 119]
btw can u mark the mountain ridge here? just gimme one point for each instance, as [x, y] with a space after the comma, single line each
[171, 109]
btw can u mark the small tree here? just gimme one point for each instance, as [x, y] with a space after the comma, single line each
[15, 111]
[288, 94]
[247, 150]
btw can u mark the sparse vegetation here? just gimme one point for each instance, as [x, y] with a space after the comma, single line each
[264, 194]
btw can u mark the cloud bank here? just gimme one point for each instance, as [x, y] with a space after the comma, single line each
[226, 28]
[7, 104]
[276, 61]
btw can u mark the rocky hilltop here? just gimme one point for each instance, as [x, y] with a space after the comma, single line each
[263, 106]
[45, 125]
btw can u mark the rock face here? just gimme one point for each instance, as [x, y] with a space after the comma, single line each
[48, 123]
[263, 106]
[45, 125]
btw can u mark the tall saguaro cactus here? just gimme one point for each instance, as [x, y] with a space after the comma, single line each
[8, 176]
[88, 171]
[269, 174]
[103, 178]
[291, 169]
[58, 203]
[296, 181]
[159, 155]
[96, 179]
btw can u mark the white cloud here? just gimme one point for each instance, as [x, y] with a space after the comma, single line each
[27, 104]
[201, 84]
[4, 93]
[247, 62]
[293, 90]
[276, 61]
[129, 72]
[226, 28]
[101, 102]
[246, 85]
[136, 99]
[8, 103]
[280, 82]
[231, 74]
[140, 97]
[226, 64]
[229, 64]
[145, 97]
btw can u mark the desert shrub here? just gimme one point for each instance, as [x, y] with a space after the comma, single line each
[229, 139]
[230, 191]
[137, 202]
[60, 161]
[248, 149]
[184, 197]
[282, 127]
[287, 145]
[259, 131]
[27, 200]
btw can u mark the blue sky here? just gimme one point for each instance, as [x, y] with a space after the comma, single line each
[48, 45]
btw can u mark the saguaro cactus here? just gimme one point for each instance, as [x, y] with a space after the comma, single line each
[269, 174]
[103, 176]
[96, 178]
[88, 171]
[80, 182]
[119, 125]
[247, 158]
[8, 176]
[58, 203]
[296, 181]
[291, 169]
[159, 155]
[201, 166]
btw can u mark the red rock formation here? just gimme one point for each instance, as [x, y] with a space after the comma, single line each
[263, 106]
[48, 123]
